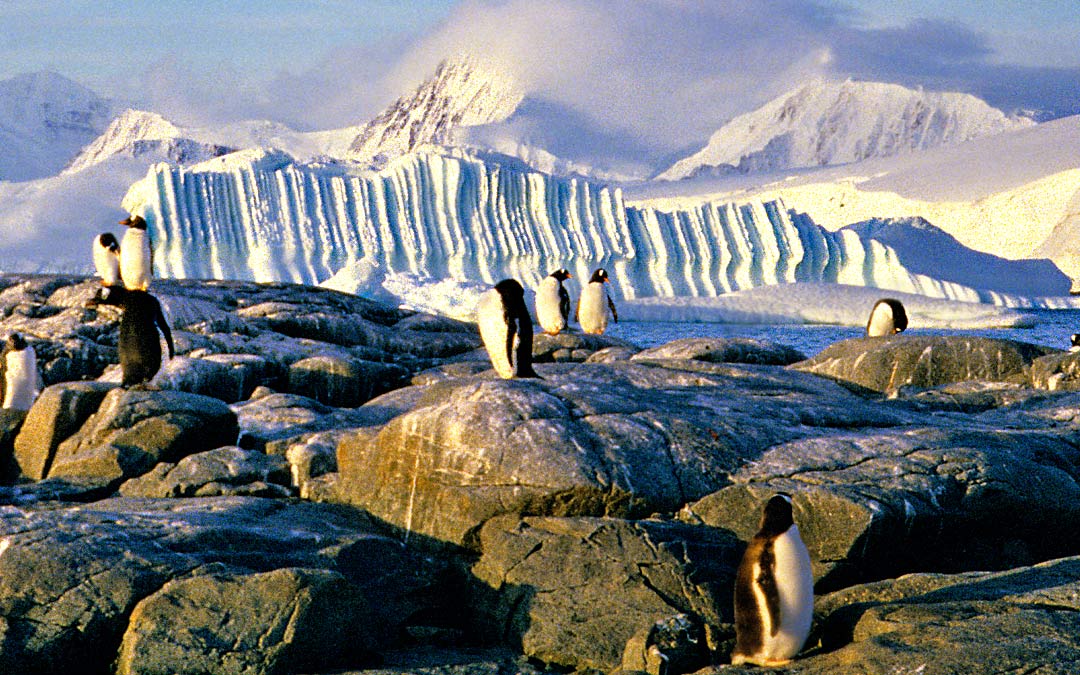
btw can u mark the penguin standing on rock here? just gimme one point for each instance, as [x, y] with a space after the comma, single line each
[1074, 345]
[139, 344]
[107, 258]
[594, 304]
[22, 381]
[553, 302]
[506, 329]
[886, 318]
[136, 263]
[774, 591]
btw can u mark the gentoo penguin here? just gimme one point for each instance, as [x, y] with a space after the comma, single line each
[140, 347]
[594, 303]
[774, 591]
[107, 258]
[506, 329]
[1075, 347]
[135, 261]
[22, 381]
[553, 302]
[886, 318]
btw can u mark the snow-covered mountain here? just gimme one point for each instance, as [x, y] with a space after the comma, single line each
[45, 119]
[825, 123]
[454, 215]
[461, 93]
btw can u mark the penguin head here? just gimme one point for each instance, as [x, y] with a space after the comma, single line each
[15, 343]
[776, 517]
[135, 222]
[107, 241]
[512, 294]
[1075, 339]
[562, 274]
[599, 276]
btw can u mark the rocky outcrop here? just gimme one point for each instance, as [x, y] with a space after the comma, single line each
[724, 350]
[223, 471]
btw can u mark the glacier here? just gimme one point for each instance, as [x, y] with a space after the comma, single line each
[443, 213]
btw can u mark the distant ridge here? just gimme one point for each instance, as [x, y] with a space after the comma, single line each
[826, 123]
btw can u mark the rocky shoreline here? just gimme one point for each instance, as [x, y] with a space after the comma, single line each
[318, 483]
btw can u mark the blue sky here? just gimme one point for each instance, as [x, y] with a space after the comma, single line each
[643, 66]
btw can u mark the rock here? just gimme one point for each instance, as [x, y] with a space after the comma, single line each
[724, 350]
[1057, 372]
[274, 421]
[886, 364]
[872, 505]
[572, 346]
[134, 430]
[10, 422]
[70, 577]
[195, 376]
[573, 591]
[344, 383]
[612, 354]
[223, 471]
[56, 414]
[286, 620]
[614, 439]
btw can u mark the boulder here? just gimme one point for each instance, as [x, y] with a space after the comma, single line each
[572, 346]
[283, 621]
[724, 350]
[888, 363]
[873, 505]
[223, 471]
[1057, 372]
[133, 430]
[10, 422]
[572, 592]
[344, 383]
[58, 412]
[274, 421]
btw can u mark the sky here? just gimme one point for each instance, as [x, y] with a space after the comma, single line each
[665, 72]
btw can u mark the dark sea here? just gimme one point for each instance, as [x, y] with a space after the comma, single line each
[1052, 328]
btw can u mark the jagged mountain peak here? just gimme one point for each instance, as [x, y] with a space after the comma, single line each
[834, 122]
[462, 92]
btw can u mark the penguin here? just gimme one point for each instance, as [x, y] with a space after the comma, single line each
[553, 302]
[506, 329]
[774, 591]
[135, 258]
[886, 318]
[1075, 340]
[591, 312]
[107, 258]
[22, 381]
[140, 347]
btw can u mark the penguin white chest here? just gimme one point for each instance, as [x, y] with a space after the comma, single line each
[491, 319]
[107, 265]
[882, 322]
[795, 590]
[135, 260]
[548, 306]
[593, 309]
[20, 379]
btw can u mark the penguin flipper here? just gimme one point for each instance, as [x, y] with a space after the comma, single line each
[611, 306]
[164, 326]
[511, 333]
[564, 303]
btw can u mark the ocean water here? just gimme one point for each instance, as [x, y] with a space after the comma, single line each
[1052, 328]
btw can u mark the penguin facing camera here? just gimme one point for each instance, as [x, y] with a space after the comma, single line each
[506, 329]
[22, 381]
[553, 302]
[594, 305]
[774, 591]
[888, 317]
[139, 344]
[1075, 343]
[136, 261]
[107, 259]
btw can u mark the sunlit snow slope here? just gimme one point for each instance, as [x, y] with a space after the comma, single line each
[258, 215]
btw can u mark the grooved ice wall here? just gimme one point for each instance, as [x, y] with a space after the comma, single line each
[258, 215]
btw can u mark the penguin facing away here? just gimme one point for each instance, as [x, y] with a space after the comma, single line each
[107, 258]
[553, 302]
[594, 304]
[139, 344]
[886, 318]
[136, 263]
[22, 381]
[506, 329]
[774, 591]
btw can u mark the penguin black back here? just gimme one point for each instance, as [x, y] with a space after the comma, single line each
[139, 345]
[519, 321]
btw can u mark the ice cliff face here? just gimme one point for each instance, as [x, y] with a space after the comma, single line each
[462, 93]
[834, 123]
[257, 215]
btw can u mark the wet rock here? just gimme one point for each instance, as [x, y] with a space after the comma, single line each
[886, 364]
